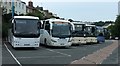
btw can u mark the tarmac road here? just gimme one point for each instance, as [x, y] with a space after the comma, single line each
[50, 55]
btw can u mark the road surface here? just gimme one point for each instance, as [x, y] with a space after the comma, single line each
[91, 54]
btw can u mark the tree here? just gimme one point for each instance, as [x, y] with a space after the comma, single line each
[108, 22]
[6, 23]
[100, 23]
[4, 10]
[7, 17]
[117, 26]
[36, 14]
[112, 30]
[115, 29]
[55, 17]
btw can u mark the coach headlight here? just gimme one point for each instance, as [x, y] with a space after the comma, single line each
[16, 41]
[37, 42]
[84, 35]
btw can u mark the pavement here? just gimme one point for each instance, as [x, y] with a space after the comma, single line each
[0, 51]
[99, 56]
[52, 55]
[112, 57]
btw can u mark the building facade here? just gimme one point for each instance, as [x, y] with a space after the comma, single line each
[30, 8]
[19, 6]
[119, 8]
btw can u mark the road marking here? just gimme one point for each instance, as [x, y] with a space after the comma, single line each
[39, 57]
[59, 52]
[13, 55]
[74, 61]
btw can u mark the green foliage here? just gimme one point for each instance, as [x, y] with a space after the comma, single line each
[108, 22]
[7, 17]
[5, 27]
[117, 26]
[115, 29]
[100, 23]
[53, 17]
[37, 14]
[6, 24]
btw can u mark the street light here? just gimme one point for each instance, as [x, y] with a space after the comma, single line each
[12, 8]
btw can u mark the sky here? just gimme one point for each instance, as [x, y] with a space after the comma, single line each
[81, 10]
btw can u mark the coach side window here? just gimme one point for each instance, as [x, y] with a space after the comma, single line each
[47, 26]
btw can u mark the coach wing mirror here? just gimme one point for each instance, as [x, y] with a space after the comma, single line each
[39, 25]
[93, 29]
[72, 33]
[47, 27]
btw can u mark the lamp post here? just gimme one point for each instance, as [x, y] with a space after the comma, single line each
[12, 8]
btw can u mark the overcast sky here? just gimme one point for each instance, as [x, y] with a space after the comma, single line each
[83, 10]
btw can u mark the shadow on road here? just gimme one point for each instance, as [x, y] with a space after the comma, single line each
[54, 47]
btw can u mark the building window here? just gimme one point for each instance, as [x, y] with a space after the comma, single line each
[10, 11]
[22, 6]
[16, 4]
[19, 4]
[10, 3]
[5, 3]
[16, 12]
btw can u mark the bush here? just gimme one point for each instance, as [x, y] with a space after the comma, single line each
[36, 14]
[6, 24]
[5, 27]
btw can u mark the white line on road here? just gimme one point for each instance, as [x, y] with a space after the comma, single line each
[13, 55]
[39, 57]
[74, 61]
[59, 52]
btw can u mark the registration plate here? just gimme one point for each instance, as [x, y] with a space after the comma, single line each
[62, 44]
[26, 44]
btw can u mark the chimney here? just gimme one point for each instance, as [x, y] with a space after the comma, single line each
[30, 3]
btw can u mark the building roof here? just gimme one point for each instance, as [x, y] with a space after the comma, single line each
[23, 2]
[30, 7]
[40, 8]
[47, 11]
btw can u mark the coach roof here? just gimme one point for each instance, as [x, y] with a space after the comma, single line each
[78, 23]
[57, 20]
[90, 25]
[26, 17]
